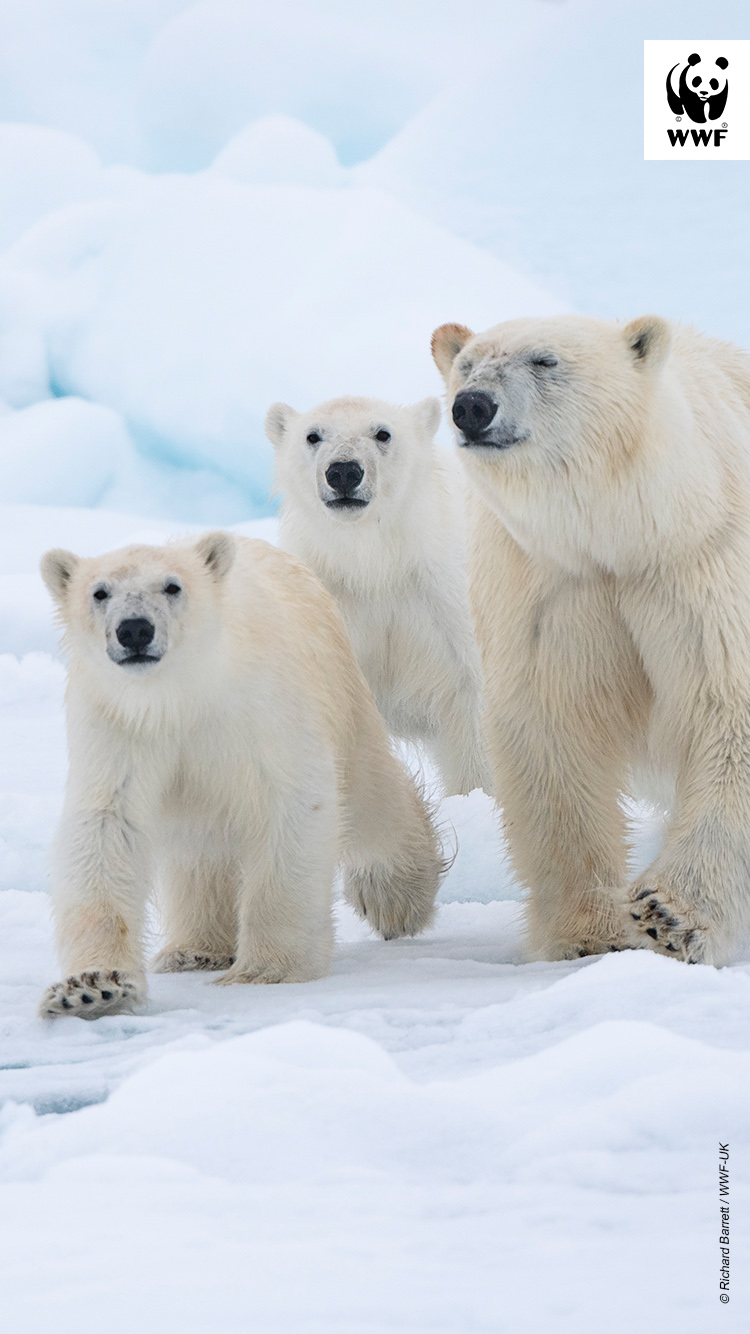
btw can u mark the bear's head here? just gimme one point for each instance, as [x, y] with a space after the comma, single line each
[131, 613]
[698, 88]
[351, 459]
[549, 413]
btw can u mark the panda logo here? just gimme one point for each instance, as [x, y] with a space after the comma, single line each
[698, 89]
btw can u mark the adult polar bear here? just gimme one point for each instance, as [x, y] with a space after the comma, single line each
[610, 568]
[368, 507]
[224, 745]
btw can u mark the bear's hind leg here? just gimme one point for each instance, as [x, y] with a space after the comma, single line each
[198, 900]
[392, 855]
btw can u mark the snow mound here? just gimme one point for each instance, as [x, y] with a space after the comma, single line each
[41, 170]
[540, 160]
[297, 1166]
[279, 150]
[187, 304]
[222, 63]
[63, 451]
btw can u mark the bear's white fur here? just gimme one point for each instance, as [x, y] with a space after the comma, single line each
[393, 556]
[230, 763]
[610, 573]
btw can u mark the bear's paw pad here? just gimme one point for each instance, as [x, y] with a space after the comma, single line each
[663, 928]
[90, 995]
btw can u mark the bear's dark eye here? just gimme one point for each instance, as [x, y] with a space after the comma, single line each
[714, 83]
[544, 359]
[101, 594]
[313, 438]
[383, 436]
[172, 590]
[698, 80]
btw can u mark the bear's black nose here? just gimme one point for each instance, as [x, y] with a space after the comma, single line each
[136, 633]
[344, 476]
[473, 411]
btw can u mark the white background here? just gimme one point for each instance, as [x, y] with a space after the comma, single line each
[659, 57]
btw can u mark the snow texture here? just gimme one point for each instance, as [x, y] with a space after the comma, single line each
[205, 207]
[435, 1137]
[292, 199]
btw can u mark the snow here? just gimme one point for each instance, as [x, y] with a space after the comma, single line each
[41, 170]
[279, 150]
[437, 1136]
[186, 304]
[541, 162]
[205, 207]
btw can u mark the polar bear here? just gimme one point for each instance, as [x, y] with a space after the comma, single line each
[610, 573]
[226, 750]
[369, 509]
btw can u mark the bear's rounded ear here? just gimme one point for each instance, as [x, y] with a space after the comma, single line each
[217, 551]
[447, 342]
[57, 569]
[694, 59]
[722, 62]
[278, 417]
[648, 340]
[426, 415]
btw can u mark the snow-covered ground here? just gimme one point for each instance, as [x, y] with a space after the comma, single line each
[436, 1137]
[205, 207]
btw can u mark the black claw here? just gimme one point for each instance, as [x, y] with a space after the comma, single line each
[636, 916]
[672, 921]
[643, 895]
[652, 931]
[66, 1004]
[672, 948]
[106, 995]
[87, 1000]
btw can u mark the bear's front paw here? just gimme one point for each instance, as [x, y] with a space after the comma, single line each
[660, 926]
[189, 961]
[91, 995]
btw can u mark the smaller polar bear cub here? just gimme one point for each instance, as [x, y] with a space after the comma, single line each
[367, 506]
[225, 752]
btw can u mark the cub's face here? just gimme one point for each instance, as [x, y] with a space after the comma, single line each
[353, 459]
[132, 609]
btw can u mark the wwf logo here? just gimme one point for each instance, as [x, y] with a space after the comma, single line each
[698, 88]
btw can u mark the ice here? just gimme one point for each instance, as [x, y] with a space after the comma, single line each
[539, 158]
[40, 170]
[279, 150]
[433, 1138]
[63, 451]
[186, 304]
[438, 1137]
[219, 65]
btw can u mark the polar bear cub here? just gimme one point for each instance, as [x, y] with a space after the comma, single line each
[225, 750]
[367, 506]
